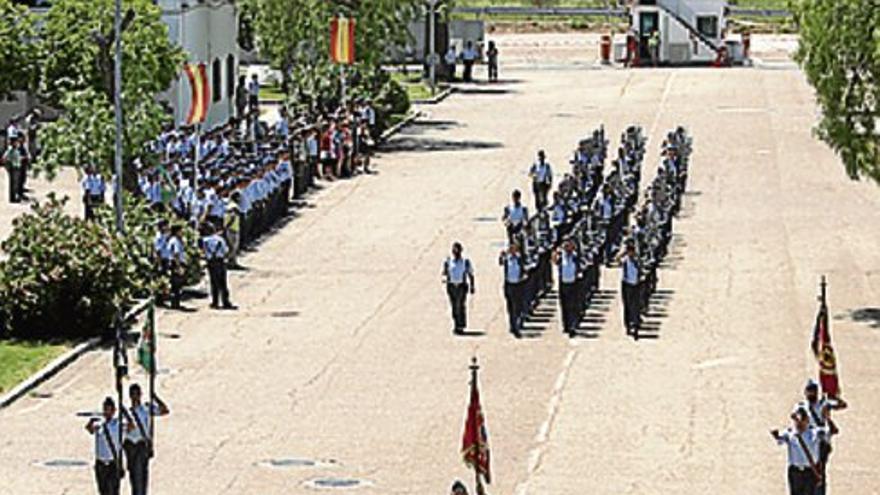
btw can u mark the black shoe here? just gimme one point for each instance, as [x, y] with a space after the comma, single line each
[215, 306]
[230, 306]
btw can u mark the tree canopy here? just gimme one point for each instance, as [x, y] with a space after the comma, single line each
[840, 53]
[78, 42]
[18, 50]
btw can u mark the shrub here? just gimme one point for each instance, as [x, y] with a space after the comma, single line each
[62, 277]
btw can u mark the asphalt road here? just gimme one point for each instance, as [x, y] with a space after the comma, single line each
[342, 351]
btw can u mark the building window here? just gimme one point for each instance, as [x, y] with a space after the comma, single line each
[230, 76]
[708, 26]
[217, 80]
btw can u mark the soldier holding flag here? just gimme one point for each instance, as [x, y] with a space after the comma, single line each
[475, 441]
[138, 443]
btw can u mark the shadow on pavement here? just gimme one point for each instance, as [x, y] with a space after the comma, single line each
[869, 316]
[424, 145]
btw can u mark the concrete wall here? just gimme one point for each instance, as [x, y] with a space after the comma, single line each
[207, 32]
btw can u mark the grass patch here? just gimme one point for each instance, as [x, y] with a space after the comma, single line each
[19, 360]
[271, 93]
[415, 88]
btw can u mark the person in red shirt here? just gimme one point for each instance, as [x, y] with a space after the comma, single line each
[328, 156]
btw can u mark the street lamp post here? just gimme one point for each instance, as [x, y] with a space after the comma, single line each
[432, 43]
[117, 102]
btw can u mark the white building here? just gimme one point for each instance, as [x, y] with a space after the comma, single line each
[207, 30]
[691, 31]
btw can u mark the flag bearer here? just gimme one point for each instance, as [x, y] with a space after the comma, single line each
[803, 442]
[138, 443]
[108, 451]
[514, 282]
[215, 251]
[458, 274]
[817, 408]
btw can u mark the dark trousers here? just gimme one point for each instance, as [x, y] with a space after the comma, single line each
[569, 300]
[493, 71]
[513, 294]
[468, 70]
[631, 316]
[217, 275]
[458, 300]
[138, 464]
[90, 202]
[541, 189]
[107, 477]
[14, 179]
[801, 481]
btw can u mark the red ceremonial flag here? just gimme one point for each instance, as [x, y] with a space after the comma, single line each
[201, 93]
[342, 40]
[475, 442]
[824, 352]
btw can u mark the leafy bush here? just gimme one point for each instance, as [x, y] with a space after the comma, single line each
[61, 276]
[64, 277]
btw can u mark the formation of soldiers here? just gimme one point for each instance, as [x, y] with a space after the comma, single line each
[234, 183]
[584, 228]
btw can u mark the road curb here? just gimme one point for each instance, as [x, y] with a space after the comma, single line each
[48, 371]
[436, 99]
[391, 131]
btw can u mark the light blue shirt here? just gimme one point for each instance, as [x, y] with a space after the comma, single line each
[513, 267]
[215, 247]
[630, 269]
[93, 185]
[568, 267]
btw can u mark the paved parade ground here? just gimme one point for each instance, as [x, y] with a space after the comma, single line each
[342, 352]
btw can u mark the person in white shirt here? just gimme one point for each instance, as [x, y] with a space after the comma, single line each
[450, 58]
[630, 286]
[802, 441]
[108, 448]
[515, 217]
[469, 57]
[569, 293]
[93, 187]
[542, 180]
[138, 443]
[253, 90]
[819, 408]
[458, 274]
[514, 280]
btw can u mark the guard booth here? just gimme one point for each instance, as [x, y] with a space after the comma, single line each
[690, 31]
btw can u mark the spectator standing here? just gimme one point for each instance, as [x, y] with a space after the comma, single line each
[469, 57]
[492, 57]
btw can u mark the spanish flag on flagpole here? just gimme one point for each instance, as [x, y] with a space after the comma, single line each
[342, 40]
[201, 93]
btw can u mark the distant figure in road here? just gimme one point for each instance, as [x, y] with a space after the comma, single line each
[654, 47]
[93, 187]
[542, 180]
[138, 443]
[492, 58]
[469, 57]
[215, 251]
[458, 274]
[108, 450]
[515, 217]
[14, 169]
[802, 441]
[514, 278]
[629, 288]
[569, 294]
[241, 98]
[819, 409]
[450, 58]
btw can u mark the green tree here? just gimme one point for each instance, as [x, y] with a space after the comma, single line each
[840, 53]
[78, 40]
[18, 50]
[84, 134]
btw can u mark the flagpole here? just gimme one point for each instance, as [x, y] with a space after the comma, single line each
[197, 157]
[151, 318]
[823, 285]
[474, 367]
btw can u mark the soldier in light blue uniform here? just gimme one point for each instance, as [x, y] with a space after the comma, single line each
[215, 251]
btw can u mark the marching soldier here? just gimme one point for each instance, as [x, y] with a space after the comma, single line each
[542, 180]
[458, 274]
[138, 443]
[93, 192]
[514, 278]
[176, 256]
[631, 273]
[819, 409]
[215, 251]
[569, 295]
[515, 217]
[108, 451]
[803, 441]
